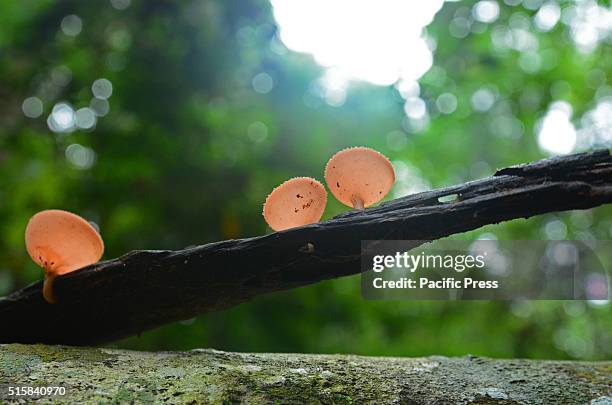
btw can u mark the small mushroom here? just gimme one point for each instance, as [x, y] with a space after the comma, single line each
[61, 242]
[359, 177]
[296, 202]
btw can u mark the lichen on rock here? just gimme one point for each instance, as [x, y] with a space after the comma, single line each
[100, 375]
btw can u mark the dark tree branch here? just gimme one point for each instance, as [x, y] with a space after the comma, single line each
[145, 289]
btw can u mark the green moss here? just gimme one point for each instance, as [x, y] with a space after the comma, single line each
[598, 375]
[49, 354]
[213, 377]
[135, 390]
[14, 363]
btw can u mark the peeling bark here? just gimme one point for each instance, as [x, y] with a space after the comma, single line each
[145, 289]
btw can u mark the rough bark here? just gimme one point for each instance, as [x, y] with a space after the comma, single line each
[145, 289]
[92, 375]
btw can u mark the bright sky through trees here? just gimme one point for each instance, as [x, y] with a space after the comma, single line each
[377, 41]
[384, 43]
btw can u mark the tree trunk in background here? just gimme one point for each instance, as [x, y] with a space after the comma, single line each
[98, 375]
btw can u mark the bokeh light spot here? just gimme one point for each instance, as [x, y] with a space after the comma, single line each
[62, 118]
[262, 83]
[548, 16]
[102, 88]
[71, 25]
[482, 99]
[100, 106]
[486, 11]
[81, 157]
[85, 118]
[120, 4]
[257, 131]
[446, 103]
[555, 230]
[32, 107]
[415, 108]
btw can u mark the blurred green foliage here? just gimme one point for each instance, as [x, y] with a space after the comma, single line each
[178, 162]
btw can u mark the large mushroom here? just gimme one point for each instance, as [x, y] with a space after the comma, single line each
[359, 177]
[61, 242]
[296, 202]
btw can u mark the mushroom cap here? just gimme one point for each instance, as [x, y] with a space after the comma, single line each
[61, 242]
[359, 172]
[296, 202]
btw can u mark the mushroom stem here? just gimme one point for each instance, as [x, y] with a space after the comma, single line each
[357, 203]
[48, 287]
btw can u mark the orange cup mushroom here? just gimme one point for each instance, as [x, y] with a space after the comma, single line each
[359, 177]
[61, 242]
[296, 202]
